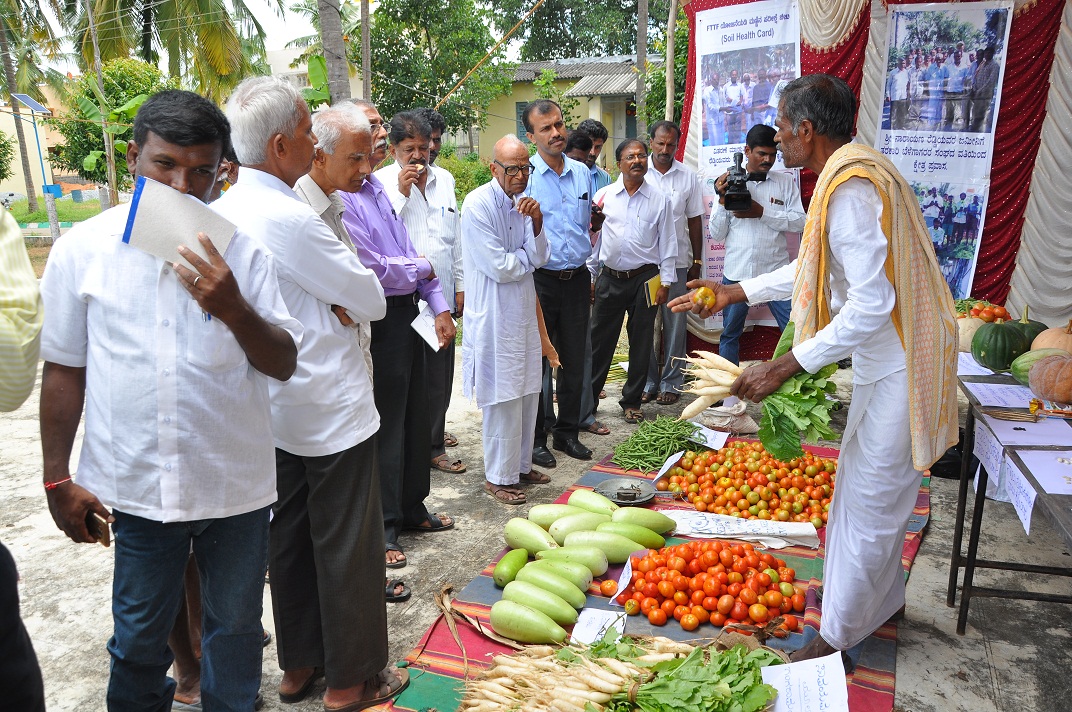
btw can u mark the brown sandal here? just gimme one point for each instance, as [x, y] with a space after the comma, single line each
[443, 464]
[535, 478]
[505, 494]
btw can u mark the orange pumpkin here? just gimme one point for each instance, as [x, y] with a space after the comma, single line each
[1051, 379]
[1059, 337]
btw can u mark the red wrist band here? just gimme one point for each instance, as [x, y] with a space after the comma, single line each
[49, 486]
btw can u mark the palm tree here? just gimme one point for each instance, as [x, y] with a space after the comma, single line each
[312, 45]
[22, 22]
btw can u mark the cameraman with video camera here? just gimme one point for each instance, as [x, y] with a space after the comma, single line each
[754, 211]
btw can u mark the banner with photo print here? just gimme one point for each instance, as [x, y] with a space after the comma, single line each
[944, 68]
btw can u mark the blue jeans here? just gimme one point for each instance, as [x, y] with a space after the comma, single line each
[733, 318]
[150, 558]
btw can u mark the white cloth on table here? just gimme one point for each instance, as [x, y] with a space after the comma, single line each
[638, 230]
[501, 351]
[683, 187]
[861, 296]
[330, 209]
[509, 433]
[21, 317]
[326, 406]
[177, 421]
[757, 246]
[433, 223]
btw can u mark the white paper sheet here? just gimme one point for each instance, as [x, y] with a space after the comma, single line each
[713, 439]
[968, 366]
[593, 623]
[670, 462]
[1020, 492]
[424, 325]
[1048, 431]
[809, 685]
[1052, 469]
[161, 218]
[1004, 395]
[772, 534]
[988, 449]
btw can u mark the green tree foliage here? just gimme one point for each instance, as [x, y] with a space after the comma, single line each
[545, 88]
[124, 79]
[656, 103]
[421, 48]
[561, 28]
[7, 155]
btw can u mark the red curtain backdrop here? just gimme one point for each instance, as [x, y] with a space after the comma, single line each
[1028, 59]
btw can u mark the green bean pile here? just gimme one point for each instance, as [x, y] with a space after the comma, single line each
[654, 441]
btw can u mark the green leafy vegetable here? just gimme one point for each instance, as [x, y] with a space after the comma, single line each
[799, 409]
[654, 441]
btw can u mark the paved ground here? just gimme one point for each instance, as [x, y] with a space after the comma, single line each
[1015, 655]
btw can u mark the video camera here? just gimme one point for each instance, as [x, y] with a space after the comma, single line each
[736, 193]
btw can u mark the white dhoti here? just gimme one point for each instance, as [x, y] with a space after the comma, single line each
[509, 432]
[877, 486]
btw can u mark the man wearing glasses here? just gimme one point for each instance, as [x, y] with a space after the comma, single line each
[637, 244]
[563, 188]
[504, 243]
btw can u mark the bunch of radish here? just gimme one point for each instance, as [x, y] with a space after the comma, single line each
[711, 377]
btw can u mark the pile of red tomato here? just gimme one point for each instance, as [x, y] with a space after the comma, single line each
[743, 480]
[712, 582]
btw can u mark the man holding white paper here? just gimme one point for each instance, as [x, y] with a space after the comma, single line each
[404, 440]
[637, 243]
[326, 532]
[504, 243]
[174, 367]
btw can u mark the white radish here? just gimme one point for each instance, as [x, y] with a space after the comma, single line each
[718, 392]
[697, 406]
[719, 362]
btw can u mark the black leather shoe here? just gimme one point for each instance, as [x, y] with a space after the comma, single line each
[542, 456]
[572, 447]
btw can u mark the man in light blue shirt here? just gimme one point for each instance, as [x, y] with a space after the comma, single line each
[563, 188]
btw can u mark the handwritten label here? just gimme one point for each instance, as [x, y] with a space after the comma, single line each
[1052, 469]
[968, 366]
[706, 525]
[713, 439]
[593, 623]
[670, 462]
[809, 685]
[1049, 431]
[623, 581]
[988, 450]
[1005, 395]
[1021, 493]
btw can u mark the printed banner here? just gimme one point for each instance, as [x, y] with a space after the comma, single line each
[945, 64]
[745, 54]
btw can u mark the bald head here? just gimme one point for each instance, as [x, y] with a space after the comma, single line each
[510, 147]
[511, 156]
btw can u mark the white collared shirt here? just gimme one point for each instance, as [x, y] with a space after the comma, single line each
[683, 188]
[433, 222]
[326, 406]
[861, 295]
[177, 421]
[756, 246]
[638, 230]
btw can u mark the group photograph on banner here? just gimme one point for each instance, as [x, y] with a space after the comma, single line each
[745, 55]
[944, 69]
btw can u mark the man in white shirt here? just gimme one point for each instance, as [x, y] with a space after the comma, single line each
[683, 188]
[327, 529]
[903, 414]
[755, 238]
[897, 95]
[174, 366]
[735, 98]
[501, 351]
[423, 196]
[636, 244]
[713, 99]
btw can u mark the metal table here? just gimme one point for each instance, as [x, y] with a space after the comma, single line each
[1057, 509]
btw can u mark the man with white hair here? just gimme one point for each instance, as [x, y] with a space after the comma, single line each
[329, 615]
[504, 244]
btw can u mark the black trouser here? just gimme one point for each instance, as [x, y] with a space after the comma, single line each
[325, 546]
[403, 441]
[565, 305]
[616, 297]
[20, 675]
[439, 379]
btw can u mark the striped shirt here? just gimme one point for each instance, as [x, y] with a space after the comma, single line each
[433, 223]
[21, 317]
[755, 246]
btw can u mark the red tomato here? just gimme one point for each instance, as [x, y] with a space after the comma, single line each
[608, 588]
[681, 611]
[724, 604]
[799, 602]
[648, 605]
[739, 612]
[772, 599]
[657, 616]
[701, 613]
[632, 608]
[668, 607]
[718, 619]
[748, 597]
[758, 613]
[790, 622]
[689, 622]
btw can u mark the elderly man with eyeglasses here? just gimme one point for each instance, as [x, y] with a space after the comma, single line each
[636, 244]
[503, 244]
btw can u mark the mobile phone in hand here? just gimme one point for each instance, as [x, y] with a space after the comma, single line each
[99, 529]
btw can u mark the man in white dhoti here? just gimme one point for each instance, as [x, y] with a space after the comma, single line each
[503, 243]
[866, 283]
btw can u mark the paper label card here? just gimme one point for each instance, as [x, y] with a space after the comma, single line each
[968, 366]
[424, 325]
[1005, 395]
[809, 685]
[593, 623]
[713, 439]
[161, 218]
[775, 534]
[1052, 469]
[1048, 431]
[1021, 493]
[988, 450]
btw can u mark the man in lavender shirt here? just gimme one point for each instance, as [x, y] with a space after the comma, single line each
[403, 441]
